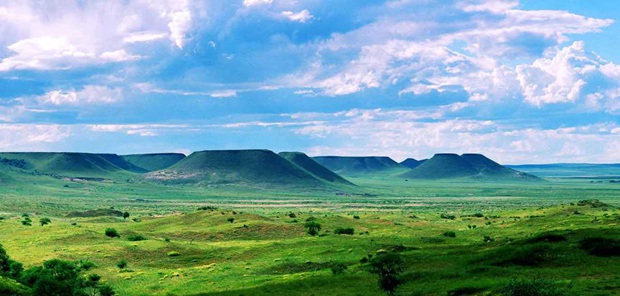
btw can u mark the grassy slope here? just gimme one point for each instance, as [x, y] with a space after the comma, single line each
[248, 167]
[154, 161]
[357, 166]
[74, 164]
[313, 167]
[442, 166]
[412, 163]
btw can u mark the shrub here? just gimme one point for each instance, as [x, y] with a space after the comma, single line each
[338, 268]
[207, 208]
[111, 232]
[45, 221]
[122, 264]
[125, 215]
[449, 234]
[84, 264]
[488, 239]
[313, 227]
[356, 217]
[231, 219]
[173, 254]
[136, 237]
[547, 238]
[292, 215]
[447, 216]
[478, 215]
[348, 231]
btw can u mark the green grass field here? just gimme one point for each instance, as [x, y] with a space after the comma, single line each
[265, 250]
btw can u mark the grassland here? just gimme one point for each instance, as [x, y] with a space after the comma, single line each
[266, 249]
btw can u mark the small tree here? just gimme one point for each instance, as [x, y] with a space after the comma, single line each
[387, 266]
[125, 215]
[231, 219]
[111, 232]
[313, 227]
[45, 221]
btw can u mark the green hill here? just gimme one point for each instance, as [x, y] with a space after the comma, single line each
[242, 167]
[71, 164]
[468, 166]
[412, 163]
[154, 161]
[363, 165]
[302, 160]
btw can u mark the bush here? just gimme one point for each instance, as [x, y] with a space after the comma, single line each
[313, 227]
[292, 215]
[488, 239]
[125, 215]
[338, 268]
[136, 237]
[447, 216]
[122, 264]
[356, 217]
[478, 215]
[348, 231]
[231, 219]
[173, 254]
[45, 221]
[111, 232]
[449, 234]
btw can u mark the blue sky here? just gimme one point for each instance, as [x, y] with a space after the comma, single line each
[530, 81]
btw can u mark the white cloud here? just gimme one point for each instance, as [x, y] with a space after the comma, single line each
[179, 25]
[248, 3]
[31, 137]
[224, 94]
[403, 134]
[90, 94]
[144, 37]
[142, 130]
[302, 16]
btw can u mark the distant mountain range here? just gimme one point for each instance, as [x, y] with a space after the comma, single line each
[266, 168]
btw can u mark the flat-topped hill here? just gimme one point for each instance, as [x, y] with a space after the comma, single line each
[360, 165]
[313, 167]
[71, 164]
[154, 161]
[412, 163]
[470, 166]
[246, 167]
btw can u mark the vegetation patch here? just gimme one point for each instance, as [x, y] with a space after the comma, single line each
[95, 213]
[602, 247]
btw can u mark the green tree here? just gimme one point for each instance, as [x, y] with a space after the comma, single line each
[45, 221]
[55, 278]
[125, 215]
[313, 227]
[111, 232]
[387, 266]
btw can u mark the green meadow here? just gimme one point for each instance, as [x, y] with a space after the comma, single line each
[455, 237]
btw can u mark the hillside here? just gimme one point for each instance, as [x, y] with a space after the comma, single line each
[311, 166]
[242, 167]
[470, 166]
[412, 163]
[71, 164]
[570, 170]
[363, 165]
[154, 161]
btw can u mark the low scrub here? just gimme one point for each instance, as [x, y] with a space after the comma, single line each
[136, 237]
[533, 287]
[347, 231]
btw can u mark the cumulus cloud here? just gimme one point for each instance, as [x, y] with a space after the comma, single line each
[302, 16]
[31, 137]
[256, 2]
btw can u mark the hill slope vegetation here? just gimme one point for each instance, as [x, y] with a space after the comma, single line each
[352, 166]
[243, 167]
[470, 166]
[154, 161]
[305, 162]
[412, 163]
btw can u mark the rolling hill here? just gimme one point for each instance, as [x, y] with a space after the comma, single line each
[154, 161]
[241, 167]
[71, 164]
[311, 166]
[467, 166]
[412, 163]
[363, 165]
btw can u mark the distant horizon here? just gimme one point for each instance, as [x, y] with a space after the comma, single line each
[276, 151]
[520, 81]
